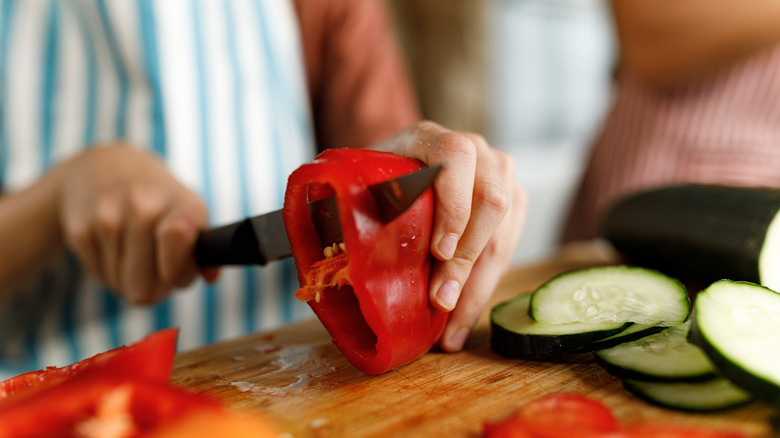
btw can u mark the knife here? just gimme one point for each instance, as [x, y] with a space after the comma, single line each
[261, 239]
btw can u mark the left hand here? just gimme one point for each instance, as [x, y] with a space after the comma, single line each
[479, 217]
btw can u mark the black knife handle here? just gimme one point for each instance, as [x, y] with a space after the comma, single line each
[234, 244]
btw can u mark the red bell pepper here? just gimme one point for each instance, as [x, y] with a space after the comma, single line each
[95, 401]
[124, 392]
[373, 296]
[150, 359]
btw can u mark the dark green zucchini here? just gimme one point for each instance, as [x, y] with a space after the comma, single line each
[738, 325]
[514, 334]
[630, 334]
[700, 233]
[662, 357]
[707, 396]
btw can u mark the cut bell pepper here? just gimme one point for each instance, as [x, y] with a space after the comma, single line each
[372, 297]
[149, 359]
[94, 402]
[121, 393]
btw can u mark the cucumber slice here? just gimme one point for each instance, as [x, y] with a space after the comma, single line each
[611, 293]
[738, 325]
[708, 396]
[662, 357]
[632, 333]
[514, 334]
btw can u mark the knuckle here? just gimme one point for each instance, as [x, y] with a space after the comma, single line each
[479, 140]
[427, 125]
[144, 205]
[457, 144]
[465, 258]
[457, 211]
[169, 231]
[494, 195]
[176, 229]
[108, 217]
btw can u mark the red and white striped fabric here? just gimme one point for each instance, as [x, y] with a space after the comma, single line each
[723, 129]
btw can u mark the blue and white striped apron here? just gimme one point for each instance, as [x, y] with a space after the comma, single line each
[217, 87]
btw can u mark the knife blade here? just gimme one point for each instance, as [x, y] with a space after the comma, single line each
[261, 239]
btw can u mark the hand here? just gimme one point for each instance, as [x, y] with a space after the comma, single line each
[130, 221]
[478, 220]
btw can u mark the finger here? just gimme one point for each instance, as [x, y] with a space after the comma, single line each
[108, 224]
[476, 292]
[485, 275]
[492, 201]
[433, 144]
[80, 239]
[454, 189]
[140, 280]
[176, 235]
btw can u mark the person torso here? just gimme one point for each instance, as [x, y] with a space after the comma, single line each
[722, 129]
[217, 88]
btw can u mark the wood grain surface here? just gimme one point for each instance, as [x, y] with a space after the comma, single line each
[295, 376]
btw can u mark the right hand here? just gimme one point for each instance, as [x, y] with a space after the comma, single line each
[130, 221]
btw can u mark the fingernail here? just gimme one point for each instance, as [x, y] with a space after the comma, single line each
[448, 293]
[456, 341]
[447, 246]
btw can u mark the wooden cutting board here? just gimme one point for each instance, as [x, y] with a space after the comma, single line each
[295, 376]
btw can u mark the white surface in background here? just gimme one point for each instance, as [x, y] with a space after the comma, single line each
[549, 176]
[551, 68]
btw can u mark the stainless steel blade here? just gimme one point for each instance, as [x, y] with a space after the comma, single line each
[261, 239]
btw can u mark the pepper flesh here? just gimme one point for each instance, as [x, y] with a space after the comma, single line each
[373, 298]
[124, 392]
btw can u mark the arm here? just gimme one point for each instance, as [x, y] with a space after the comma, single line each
[29, 232]
[358, 82]
[129, 221]
[666, 42]
[361, 96]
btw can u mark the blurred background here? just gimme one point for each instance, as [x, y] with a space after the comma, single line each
[532, 76]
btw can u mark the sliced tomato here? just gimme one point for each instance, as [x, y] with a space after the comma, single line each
[572, 415]
[510, 427]
[557, 416]
[669, 431]
[148, 359]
